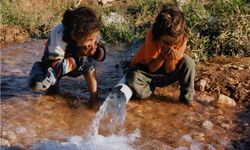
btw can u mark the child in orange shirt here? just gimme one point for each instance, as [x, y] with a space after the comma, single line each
[161, 61]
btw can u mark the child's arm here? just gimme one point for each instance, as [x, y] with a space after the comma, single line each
[92, 85]
[100, 52]
[155, 64]
[60, 64]
[63, 66]
[175, 56]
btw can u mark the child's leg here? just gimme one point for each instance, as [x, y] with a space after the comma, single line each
[139, 81]
[187, 70]
[185, 73]
[41, 78]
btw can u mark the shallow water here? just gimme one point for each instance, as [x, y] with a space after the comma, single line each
[39, 121]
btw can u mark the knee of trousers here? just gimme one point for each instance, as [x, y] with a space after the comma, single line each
[138, 84]
[131, 79]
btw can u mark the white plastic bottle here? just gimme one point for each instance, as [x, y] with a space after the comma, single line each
[124, 88]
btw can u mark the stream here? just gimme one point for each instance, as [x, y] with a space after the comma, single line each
[34, 120]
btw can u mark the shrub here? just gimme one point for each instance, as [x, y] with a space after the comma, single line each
[219, 28]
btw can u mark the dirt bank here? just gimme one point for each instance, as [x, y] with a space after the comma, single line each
[10, 34]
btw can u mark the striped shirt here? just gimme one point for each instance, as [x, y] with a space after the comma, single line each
[55, 53]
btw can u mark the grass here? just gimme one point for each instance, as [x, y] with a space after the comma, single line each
[217, 27]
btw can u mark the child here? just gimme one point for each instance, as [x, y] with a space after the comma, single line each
[71, 50]
[160, 61]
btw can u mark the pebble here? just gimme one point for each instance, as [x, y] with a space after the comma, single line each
[225, 101]
[245, 124]
[240, 68]
[20, 130]
[187, 138]
[11, 135]
[198, 136]
[4, 142]
[208, 125]
[201, 85]
[225, 126]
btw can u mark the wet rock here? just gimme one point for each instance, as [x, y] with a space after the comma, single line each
[210, 147]
[187, 138]
[11, 135]
[225, 126]
[208, 125]
[240, 68]
[234, 67]
[197, 146]
[245, 124]
[225, 101]
[222, 69]
[200, 85]
[198, 136]
[20, 130]
[4, 142]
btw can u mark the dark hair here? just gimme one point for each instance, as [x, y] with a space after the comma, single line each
[170, 21]
[79, 22]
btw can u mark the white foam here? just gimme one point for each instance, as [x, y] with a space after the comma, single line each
[96, 142]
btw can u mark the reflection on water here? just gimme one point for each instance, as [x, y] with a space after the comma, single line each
[38, 121]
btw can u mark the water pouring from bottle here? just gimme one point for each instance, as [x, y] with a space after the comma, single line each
[113, 108]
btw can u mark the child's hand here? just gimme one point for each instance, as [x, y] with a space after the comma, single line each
[174, 54]
[87, 50]
[93, 102]
[94, 105]
[165, 52]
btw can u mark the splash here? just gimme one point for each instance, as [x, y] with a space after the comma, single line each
[97, 142]
[114, 112]
[113, 109]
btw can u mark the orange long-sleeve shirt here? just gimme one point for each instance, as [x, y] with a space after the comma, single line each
[151, 50]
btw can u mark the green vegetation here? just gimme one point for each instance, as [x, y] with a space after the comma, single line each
[217, 27]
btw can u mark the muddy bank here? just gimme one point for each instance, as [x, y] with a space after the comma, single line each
[10, 34]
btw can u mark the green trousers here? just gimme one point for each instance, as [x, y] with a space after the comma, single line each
[143, 82]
